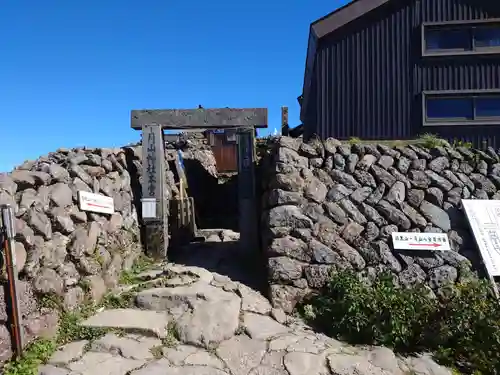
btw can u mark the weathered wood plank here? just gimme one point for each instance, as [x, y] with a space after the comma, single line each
[213, 118]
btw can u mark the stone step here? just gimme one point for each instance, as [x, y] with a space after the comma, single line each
[221, 327]
[131, 320]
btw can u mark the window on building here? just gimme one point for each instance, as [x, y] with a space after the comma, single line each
[467, 38]
[487, 36]
[450, 109]
[487, 107]
[442, 109]
[448, 40]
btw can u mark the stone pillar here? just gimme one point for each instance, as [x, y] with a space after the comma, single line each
[246, 191]
[155, 198]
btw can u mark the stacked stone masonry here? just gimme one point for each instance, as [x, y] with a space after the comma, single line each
[331, 206]
[61, 250]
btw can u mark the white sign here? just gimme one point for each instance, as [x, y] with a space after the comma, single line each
[420, 241]
[148, 208]
[95, 202]
[484, 220]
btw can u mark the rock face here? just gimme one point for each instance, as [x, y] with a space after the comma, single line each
[60, 249]
[194, 149]
[207, 187]
[330, 206]
[193, 146]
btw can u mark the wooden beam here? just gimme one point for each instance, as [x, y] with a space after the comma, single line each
[213, 118]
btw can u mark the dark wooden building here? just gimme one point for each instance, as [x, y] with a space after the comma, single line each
[395, 69]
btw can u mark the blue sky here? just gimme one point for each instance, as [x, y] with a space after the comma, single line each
[71, 71]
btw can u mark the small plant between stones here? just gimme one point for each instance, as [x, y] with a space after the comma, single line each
[354, 140]
[171, 340]
[172, 337]
[157, 351]
[141, 264]
[431, 141]
[39, 351]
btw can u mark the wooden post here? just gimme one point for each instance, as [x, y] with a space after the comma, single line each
[153, 187]
[246, 191]
[284, 121]
[7, 234]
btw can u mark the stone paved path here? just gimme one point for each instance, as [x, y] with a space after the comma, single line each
[221, 327]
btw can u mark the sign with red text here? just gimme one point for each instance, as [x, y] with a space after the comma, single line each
[420, 241]
[95, 202]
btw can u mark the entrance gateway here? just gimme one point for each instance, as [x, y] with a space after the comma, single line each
[155, 199]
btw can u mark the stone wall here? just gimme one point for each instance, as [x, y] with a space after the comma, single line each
[59, 248]
[329, 206]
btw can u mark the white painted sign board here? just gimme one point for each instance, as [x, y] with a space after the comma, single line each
[148, 208]
[420, 241]
[484, 220]
[95, 202]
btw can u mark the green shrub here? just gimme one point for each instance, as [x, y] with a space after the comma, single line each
[431, 140]
[468, 328]
[462, 329]
[36, 353]
[354, 141]
[459, 143]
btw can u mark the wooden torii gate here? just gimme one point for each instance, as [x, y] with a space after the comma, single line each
[155, 198]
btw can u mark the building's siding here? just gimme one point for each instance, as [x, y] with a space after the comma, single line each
[370, 74]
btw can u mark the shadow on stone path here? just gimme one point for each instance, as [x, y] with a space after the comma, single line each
[189, 321]
[221, 253]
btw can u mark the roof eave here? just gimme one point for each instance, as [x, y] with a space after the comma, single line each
[344, 15]
[325, 26]
[308, 71]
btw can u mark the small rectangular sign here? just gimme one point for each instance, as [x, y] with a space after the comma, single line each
[95, 202]
[149, 208]
[230, 136]
[420, 241]
[484, 221]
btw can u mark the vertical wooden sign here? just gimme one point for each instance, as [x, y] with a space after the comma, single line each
[246, 191]
[154, 199]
